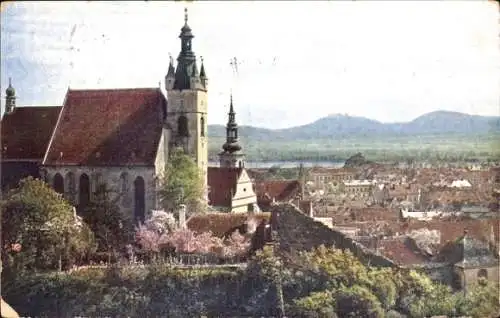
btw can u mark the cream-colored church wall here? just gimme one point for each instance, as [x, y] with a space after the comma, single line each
[111, 176]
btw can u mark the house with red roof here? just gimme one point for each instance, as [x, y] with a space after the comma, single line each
[117, 137]
[231, 190]
[270, 191]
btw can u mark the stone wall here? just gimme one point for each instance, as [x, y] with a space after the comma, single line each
[470, 276]
[298, 232]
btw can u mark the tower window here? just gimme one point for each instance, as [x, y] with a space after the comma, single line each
[182, 126]
[202, 124]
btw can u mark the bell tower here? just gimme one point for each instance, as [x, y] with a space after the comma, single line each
[186, 87]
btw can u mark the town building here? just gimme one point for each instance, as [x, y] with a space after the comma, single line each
[322, 177]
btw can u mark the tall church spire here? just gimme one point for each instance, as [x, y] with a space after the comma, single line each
[232, 155]
[186, 74]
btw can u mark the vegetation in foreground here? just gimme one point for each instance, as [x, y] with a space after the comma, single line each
[321, 283]
[434, 148]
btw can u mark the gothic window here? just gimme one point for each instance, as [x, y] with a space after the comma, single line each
[97, 183]
[44, 175]
[202, 124]
[182, 126]
[124, 179]
[84, 193]
[70, 185]
[124, 182]
[59, 183]
[139, 199]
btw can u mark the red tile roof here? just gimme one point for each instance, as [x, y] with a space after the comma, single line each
[26, 132]
[280, 190]
[401, 252]
[221, 223]
[222, 185]
[108, 127]
[450, 230]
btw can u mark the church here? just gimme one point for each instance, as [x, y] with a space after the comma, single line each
[122, 138]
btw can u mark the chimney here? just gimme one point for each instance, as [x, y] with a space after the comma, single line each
[464, 241]
[182, 216]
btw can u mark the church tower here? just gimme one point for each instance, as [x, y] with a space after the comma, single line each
[10, 98]
[232, 156]
[186, 88]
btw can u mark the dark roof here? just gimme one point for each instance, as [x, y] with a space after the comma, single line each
[108, 127]
[222, 185]
[297, 232]
[221, 223]
[467, 251]
[26, 132]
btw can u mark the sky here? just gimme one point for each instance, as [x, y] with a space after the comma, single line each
[296, 61]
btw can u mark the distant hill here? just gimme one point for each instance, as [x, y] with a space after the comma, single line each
[438, 122]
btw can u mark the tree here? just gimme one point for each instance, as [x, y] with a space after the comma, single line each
[316, 304]
[357, 301]
[44, 224]
[112, 229]
[181, 183]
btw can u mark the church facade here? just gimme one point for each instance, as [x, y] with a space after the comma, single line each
[121, 137]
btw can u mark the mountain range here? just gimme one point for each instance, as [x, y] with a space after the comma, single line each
[434, 123]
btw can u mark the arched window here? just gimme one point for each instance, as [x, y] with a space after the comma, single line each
[139, 199]
[59, 183]
[124, 189]
[44, 175]
[70, 186]
[123, 182]
[202, 128]
[98, 183]
[84, 194]
[182, 126]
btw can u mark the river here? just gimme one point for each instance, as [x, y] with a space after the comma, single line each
[287, 164]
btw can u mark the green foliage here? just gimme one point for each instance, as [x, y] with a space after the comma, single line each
[163, 291]
[112, 229]
[321, 304]
[381, 282]
[43, 223]
[181, 183]
[149, 292]
[357, 301]
[481, 300]
[342, 268]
